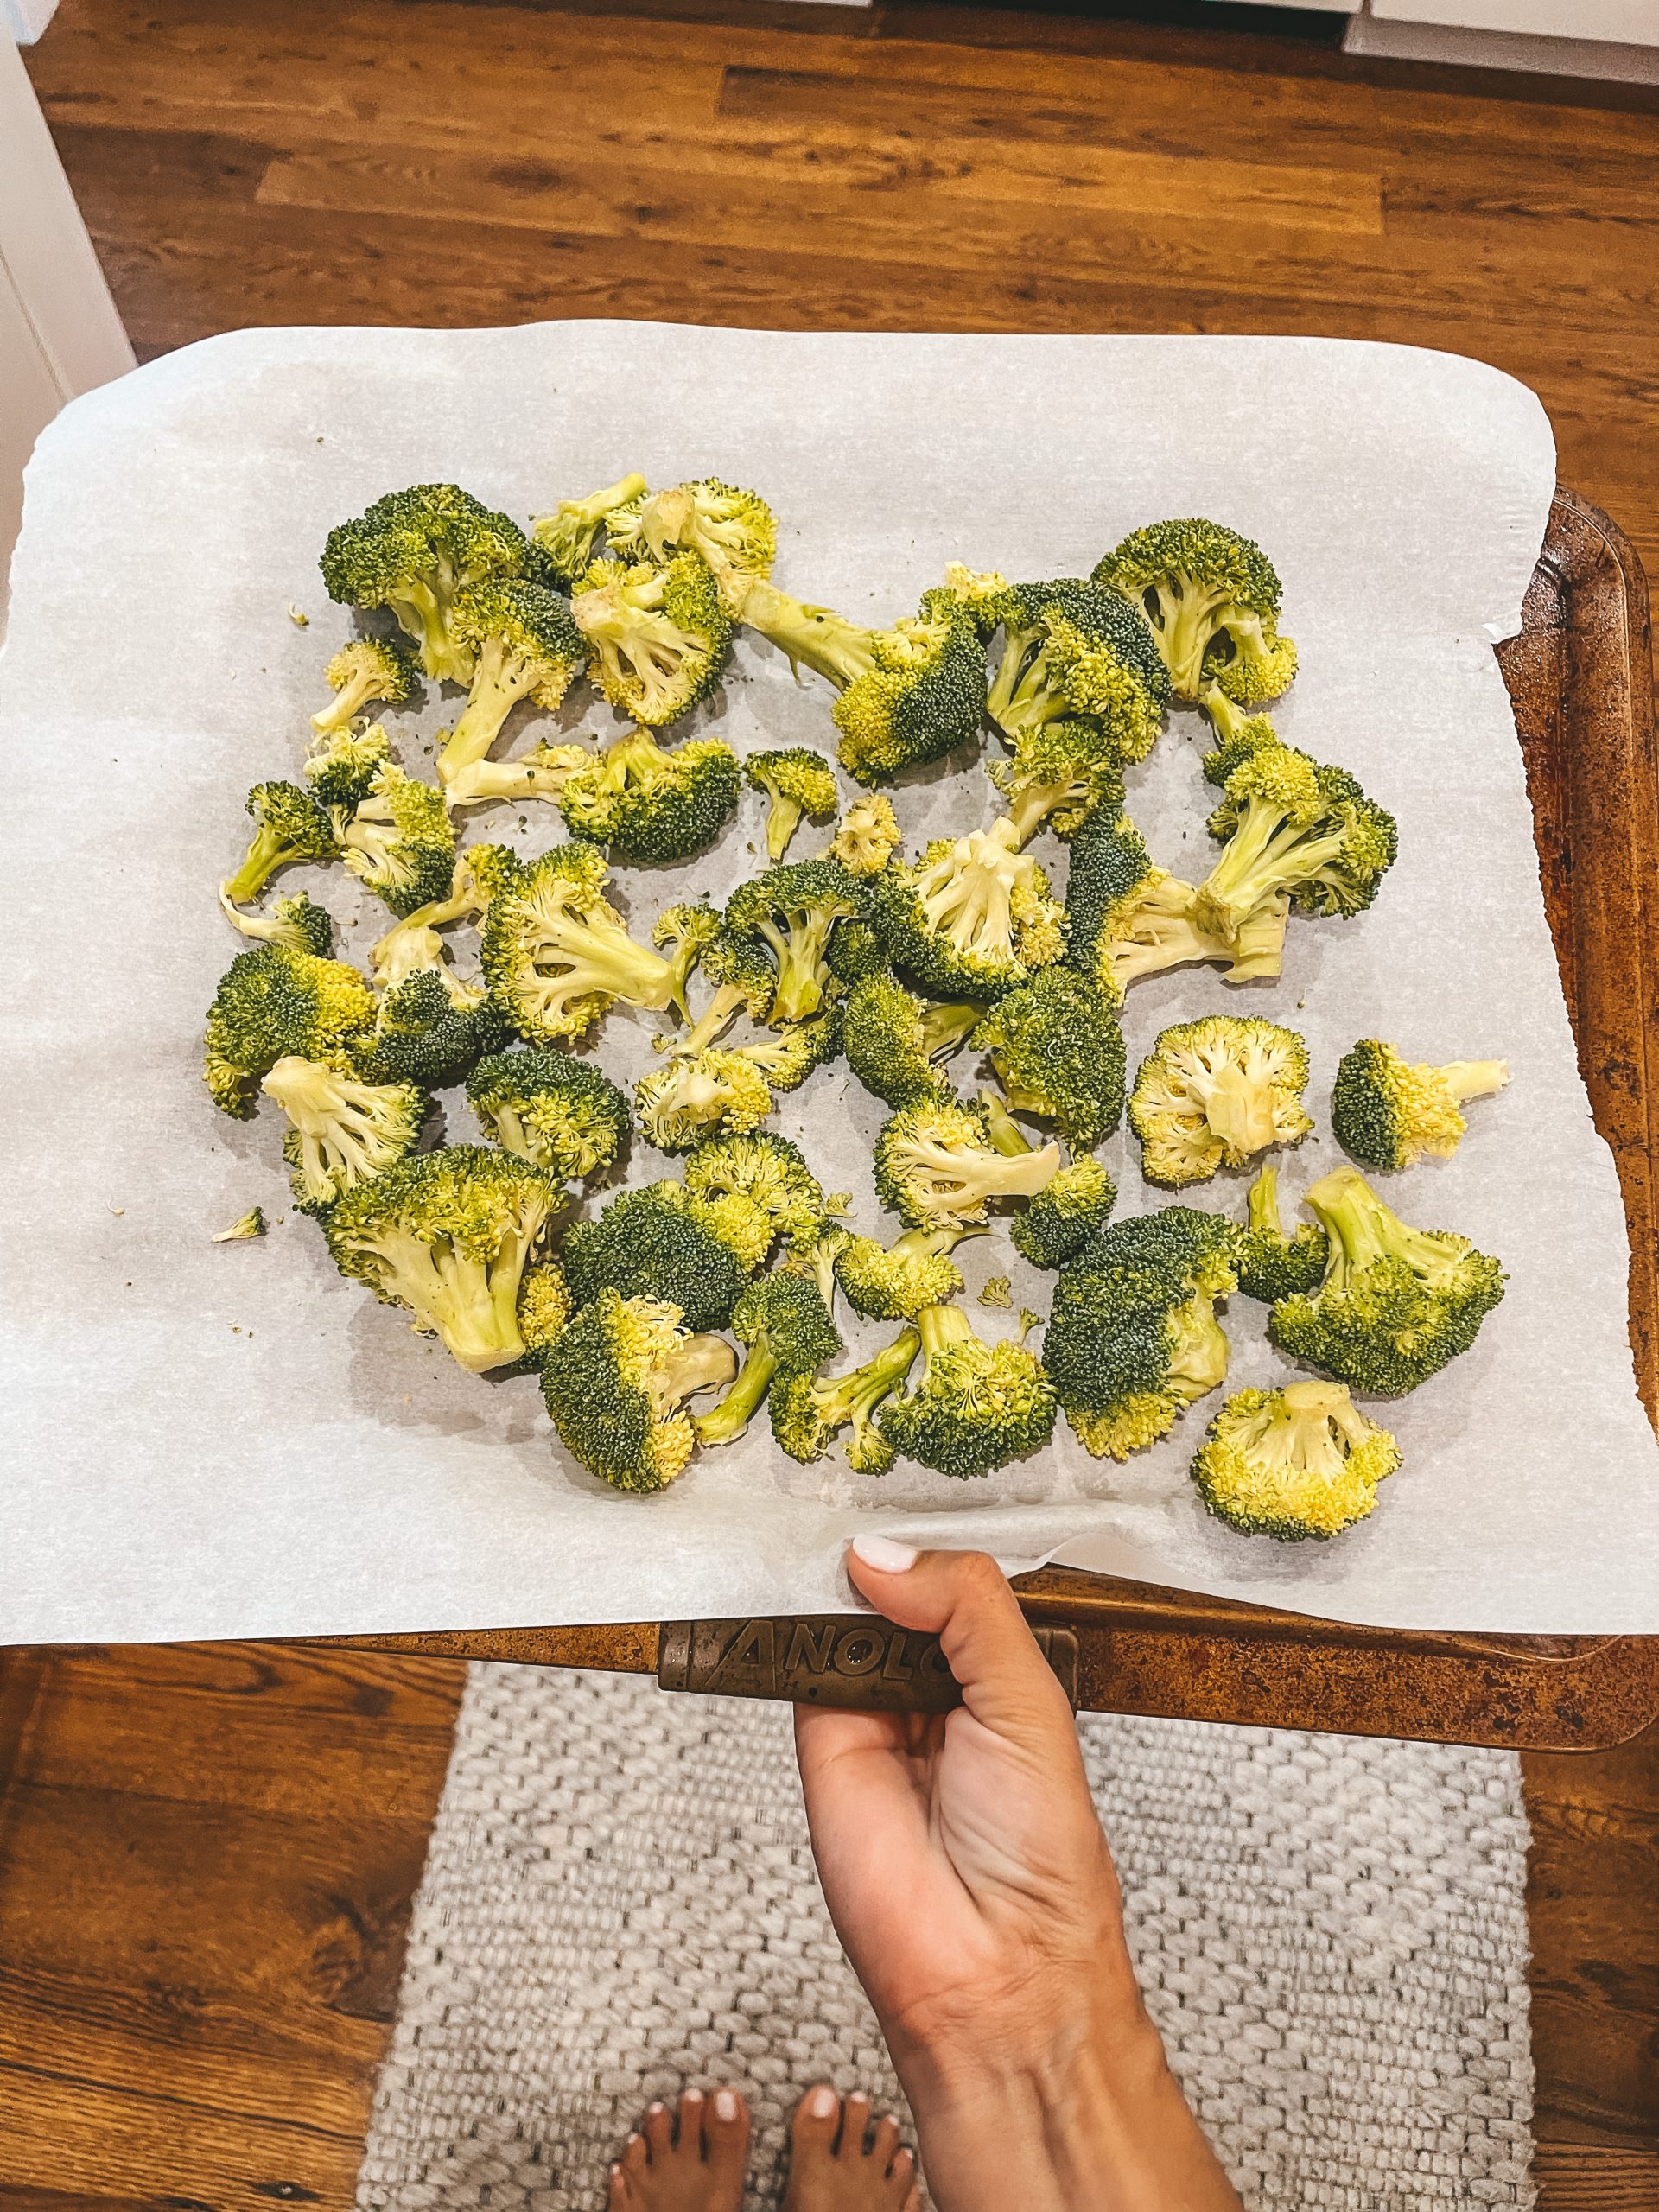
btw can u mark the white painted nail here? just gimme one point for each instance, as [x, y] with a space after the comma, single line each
[885, 1556]
[725, 2104]
[692, 2097]
[824, 2103]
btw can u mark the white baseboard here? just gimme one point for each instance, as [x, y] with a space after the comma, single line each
[1478, 49]
[27, 19]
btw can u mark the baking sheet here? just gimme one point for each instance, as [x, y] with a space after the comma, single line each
[210, 1440]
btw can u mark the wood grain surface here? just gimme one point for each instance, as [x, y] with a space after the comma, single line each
[205, 1856]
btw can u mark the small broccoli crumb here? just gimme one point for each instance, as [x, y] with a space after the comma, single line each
[996, 1292]
[252, 1223]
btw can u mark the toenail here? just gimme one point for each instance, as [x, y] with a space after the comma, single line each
[653, 2109]
[725, 2104]
[824, 2103]
[692, 2097]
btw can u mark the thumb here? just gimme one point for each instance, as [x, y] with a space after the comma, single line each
[965, 1599]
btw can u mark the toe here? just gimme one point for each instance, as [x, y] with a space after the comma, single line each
[884, 2143]
[687, 2132]
[901, 2177]
[913, 2202]
[658, 2132]
[621, 2196]
[855, 2125]
[813, 2129]
[635, 2158]
[725, 2134]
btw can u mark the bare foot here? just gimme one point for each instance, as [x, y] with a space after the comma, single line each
[839, 2163]
[692, 2160]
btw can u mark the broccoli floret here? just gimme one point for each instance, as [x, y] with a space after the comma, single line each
[1129, 1346]
[649, 804]
[1295, 828]
[1389, 1112]
[480, 871]
[1127, 918]
[1075, 650]
[449, 1234]
[854, 952]
[1211, 1093]
[1271, 1265]
[561, 1113]
[400, 842]
[615, 1380]
[299, 922]
[784, 1326]
[662, 1243]
[768, 1170]
[341, 1131]
[789, 1057]
[341, 768]
[798, 782]
[430, 1029]
[522, 645]
[1058, 1051]
[908, 694]
[813, 1249]
[971, 918]
[1212, 599]
[977, 1406]
[939, 1162]
[544, 1306]
[252, 1223]
[781, 921]
[556, 954]
[1059, 774]
[893, 1041]
[734, 530]
[1063, 1216]
[541, 773]
[272, 1001]
[1396, 1303]
[894, 1282]
[1296, 1463]
[364, 671]
[658, 636]
[978, 591]
[1237, 735]
[292, 826]
[566, 538]
[414, 552]
[809, 1412]
[868, 837]
[1192, 1250]
[694, 1096]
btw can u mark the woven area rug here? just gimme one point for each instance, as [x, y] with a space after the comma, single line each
[620, 1901]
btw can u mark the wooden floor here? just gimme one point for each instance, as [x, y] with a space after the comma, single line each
[205, 1857]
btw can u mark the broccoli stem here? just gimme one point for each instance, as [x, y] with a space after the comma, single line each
[783, 820]
[1186, 610]
[268, 850]
[695, 1363]
[852, 1397]
[1265, 854]
[1005, 1135]
[945, 1025]
[1363, 1229]
[816, 637]
[424, 614]
[501, 679]
[1473, 1079]
[1198, 1360]
[727, 1420]
[940, 1325]
[800, 965]
[356, 693]
[1020, 697]
[715, 1020]
[1264, 1202]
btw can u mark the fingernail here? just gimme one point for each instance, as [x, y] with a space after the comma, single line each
[885, 1556]
[824, 2100]
[725, 2104]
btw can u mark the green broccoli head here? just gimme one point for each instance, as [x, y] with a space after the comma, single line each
[1065, 1214]
[290, 826]
[479, 873]
[658, 636]
[735, 531]
[541, 773]
[650, 805]
[1059, 774]
[765, 1169]
[1212, 599]
[1058, 1051]
[798, 783]
[364, 672]
[696, 1096]
[1293, 827]
[341, 1131]
[868, 835]
[1237, 735]
[1073, 650]
[1192, 1250]
[854, 951]
[1396, 1303]
[1126, 918]
[522, 645]
[1271, 1265]
[977, 1405]
[561, 1113]
[556, 954]
[809, 1412]
[341, 769]
[937, 1163]
[894, 1282]
[615, 1380]
[544, 1306]
[298, 922]
[777, 926]
[566, 539]
[785, 1327]
[1131, 1343]
[893, 1041]
[447, 1235]
[979, 591]
[659, 1242]
[413, 552]
[400, 842]
[1296, 1463]
[971, 918]
[1389, 1113]
[1211, 1093]
[789, 1056]
[429, 1030]
[272, 1001]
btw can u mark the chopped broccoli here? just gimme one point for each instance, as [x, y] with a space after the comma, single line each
[809, 1412]
[768, 1170]
[291, 826]
[813, 1249]
[252, 1223]
[1212, 599]
[649, 804]
[429, 1030]
[1237, 735]
[414, 552]
[1213, 1092]
[1058, 1051]
[734, 530]
[541, 773]
[365, 670]
[1396, 1303]
[1073, 650]
[566, 538]
[522, 645]
[939, 1162]
[1271, 1265]
[781, 922]
[1064, 1215]
[1127, 918]
[1296, 1463]
[855, 951]
[892, 1041]
[1059, 773]
[556, 954]
[696, 1095]
[979, 591]
[341, 1131]
[662, 1242]
[341, 768]
[798, 782]
[894, 1282]
[449, 1234]
[909, 693]
[971, 918]
[299, 922]
[658, 636]
[1130, 1345]
[616, 1378]
[789, 1057]
[784, 1326]
[996, 1291]
[561, 1112]
[1294, 826]
[544, 1306]
[479, 873]
[977, 1405]
[400, 842]
[272, 1001]
[869, 835]
[1388, 1112]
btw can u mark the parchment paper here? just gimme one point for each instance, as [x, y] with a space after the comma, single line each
[211, 1440]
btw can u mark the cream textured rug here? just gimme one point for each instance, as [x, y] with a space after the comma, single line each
[620, 1901]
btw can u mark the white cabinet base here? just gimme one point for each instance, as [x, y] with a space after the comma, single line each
[1483, 49]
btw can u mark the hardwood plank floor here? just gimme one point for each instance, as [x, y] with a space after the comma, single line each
[195, 2018]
